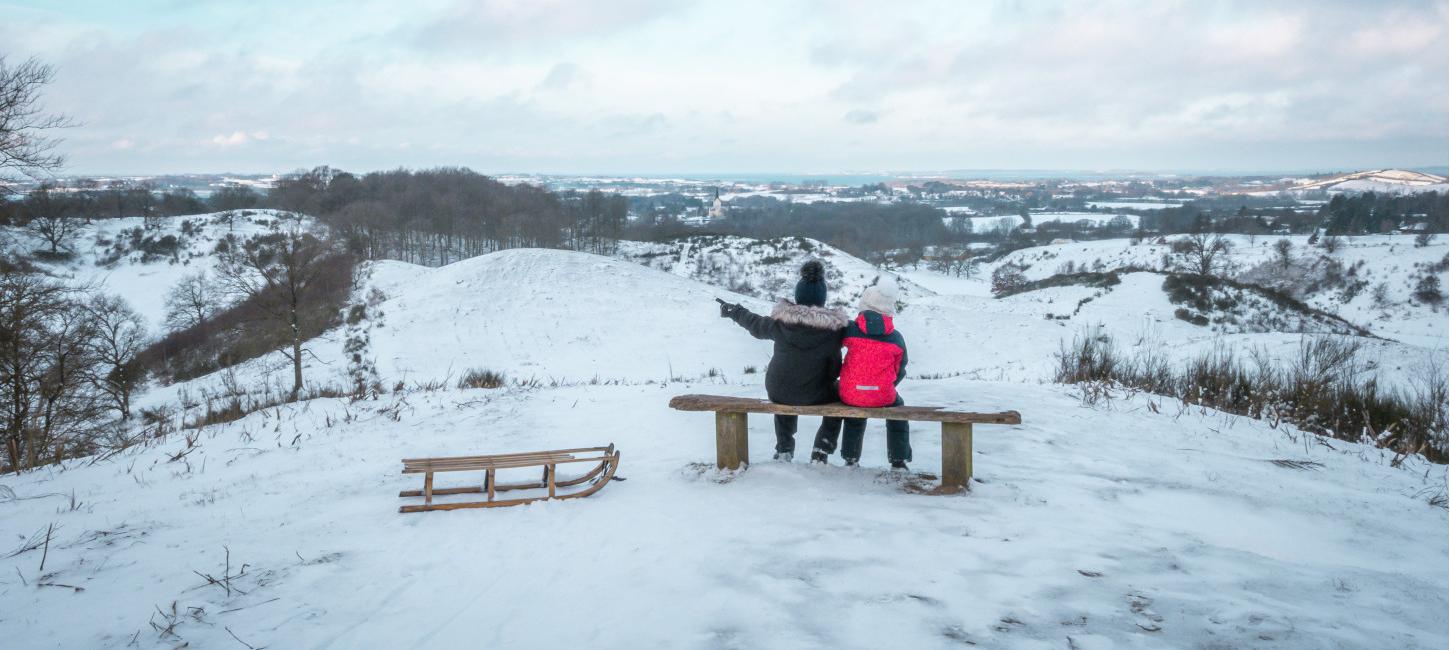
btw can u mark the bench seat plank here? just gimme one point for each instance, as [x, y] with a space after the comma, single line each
[721, 404]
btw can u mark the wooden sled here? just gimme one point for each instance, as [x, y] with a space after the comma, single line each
[606, 457]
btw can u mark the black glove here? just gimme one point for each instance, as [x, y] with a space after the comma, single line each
[727, 310]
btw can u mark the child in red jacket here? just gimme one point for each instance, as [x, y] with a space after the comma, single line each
[875, 363]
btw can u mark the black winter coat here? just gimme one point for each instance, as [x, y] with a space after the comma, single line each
[807, 358]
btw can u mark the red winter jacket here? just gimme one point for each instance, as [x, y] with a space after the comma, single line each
[875, 361]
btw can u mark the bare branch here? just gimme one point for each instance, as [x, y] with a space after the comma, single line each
[26, 148]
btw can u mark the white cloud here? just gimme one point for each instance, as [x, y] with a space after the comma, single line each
[717, 85]
[234, 139]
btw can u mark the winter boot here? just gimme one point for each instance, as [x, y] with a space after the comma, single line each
[784, 456]
[819, 457]
[853, 462]
[898, 466]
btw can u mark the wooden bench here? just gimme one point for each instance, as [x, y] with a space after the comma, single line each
[732, 449]
[606, 457]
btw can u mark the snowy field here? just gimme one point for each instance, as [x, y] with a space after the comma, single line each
[1114, 527]
[1132, 523]
[989, 224]
[1133, 205]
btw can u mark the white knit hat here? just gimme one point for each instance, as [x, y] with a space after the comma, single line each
[880, 298]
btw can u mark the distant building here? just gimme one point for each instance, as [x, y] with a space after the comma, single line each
[717, 209]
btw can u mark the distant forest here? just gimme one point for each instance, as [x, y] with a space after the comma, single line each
[442, 215]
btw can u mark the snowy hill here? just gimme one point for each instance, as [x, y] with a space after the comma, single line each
[125, 257]
[1363, 262]
[553, 315]
[1131, 521]
[1384, 181]
[766, 268]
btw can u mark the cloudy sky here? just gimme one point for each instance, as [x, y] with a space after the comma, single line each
[639, 86]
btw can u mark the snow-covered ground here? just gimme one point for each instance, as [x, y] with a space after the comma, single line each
[1391, 259]
[1133, 523]
[766, 268]
[1384, 181]
[1141, 204]
[989, 224]
[1116, 527]
[144, 285]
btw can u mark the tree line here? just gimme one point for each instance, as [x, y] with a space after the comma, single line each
[68, 357]
[443, 215]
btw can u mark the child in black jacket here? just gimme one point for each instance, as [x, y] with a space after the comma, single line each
[807, 357]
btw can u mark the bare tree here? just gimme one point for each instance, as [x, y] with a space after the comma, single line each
[278, 272]
[44, 401]
[1203, 254]
[118, 336]
[26, 148]
[192, 301]
[55, 230]
[1284, 250]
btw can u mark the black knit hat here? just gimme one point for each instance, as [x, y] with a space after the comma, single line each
[811, 290]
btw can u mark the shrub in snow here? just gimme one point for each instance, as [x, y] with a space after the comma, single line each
[481, 378]
[1322, 390]
[1007, 279]
[1428, 291]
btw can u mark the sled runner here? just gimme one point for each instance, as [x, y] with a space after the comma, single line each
[606, 457]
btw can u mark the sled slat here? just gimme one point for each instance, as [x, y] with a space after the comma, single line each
[447, 465]
[521, 454]
[596, 478]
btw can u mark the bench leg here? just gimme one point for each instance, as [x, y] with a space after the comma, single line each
[732, 446]
[956, 456]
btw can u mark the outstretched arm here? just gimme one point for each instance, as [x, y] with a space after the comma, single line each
[760, 327]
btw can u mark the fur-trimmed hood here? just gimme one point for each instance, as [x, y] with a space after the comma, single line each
[821, 318]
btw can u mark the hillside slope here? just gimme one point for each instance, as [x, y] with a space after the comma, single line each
[1140, 523]
[553, 314]
[767, 268]
[1363, 263]
[124, 257]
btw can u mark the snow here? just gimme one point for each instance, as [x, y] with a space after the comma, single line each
[1389, 181]
[144, 285]
[1391, 259]
[1194, 534]
[1133, 205]
[1386, 187]
[551, 315]
[988, 224]
[765, 268]
[1136, 522]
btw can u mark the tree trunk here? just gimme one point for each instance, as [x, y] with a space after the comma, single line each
[296, 356]
[296, 368]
